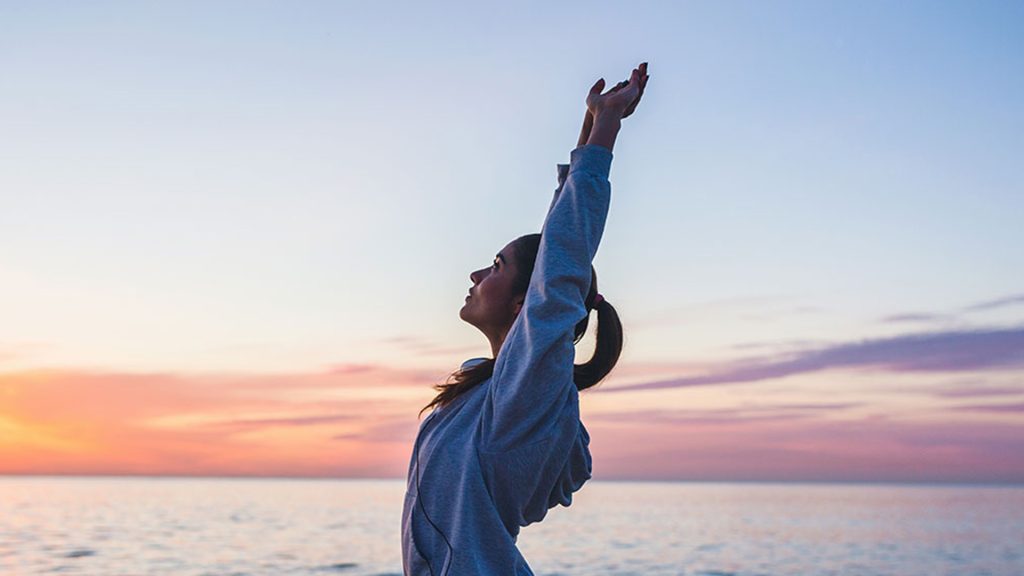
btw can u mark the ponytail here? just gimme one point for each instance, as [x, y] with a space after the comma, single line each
[608, 345]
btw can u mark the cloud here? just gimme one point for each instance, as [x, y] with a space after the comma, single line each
[1017, 408]
[278, 422]
[725, 416]
[333, 377]
[916, 317]
[998, 303]
[836, 448]
[950, 351]
[926, 317]
[701, 417]
[350, 368]
[84, 422]
[796, 344]
[975, 390]
[400, 430]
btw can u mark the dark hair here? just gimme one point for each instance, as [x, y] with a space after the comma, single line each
[608, 337]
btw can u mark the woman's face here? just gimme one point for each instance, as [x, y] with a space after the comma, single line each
[491, 305]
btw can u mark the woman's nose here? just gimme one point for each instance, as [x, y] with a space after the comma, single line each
[478, 275]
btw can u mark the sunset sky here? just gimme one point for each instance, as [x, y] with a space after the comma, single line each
[234, 238]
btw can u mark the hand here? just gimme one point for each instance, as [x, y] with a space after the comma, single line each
[643, 84]
[622, 99]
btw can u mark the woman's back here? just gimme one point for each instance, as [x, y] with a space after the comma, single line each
[462, 507]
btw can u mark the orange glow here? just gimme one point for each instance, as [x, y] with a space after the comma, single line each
[361, 422]
[339, 423]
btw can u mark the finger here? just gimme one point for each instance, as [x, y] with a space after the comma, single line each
[633, 84]
[597, 87]
[617, 88]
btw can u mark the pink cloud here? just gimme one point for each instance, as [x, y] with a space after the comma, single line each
[1013, 408]
[952, 351]
[787, 446]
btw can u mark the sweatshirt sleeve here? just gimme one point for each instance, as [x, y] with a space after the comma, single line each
[563, 172]
[532, 384]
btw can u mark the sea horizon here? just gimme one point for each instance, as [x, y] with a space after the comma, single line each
[938, 483]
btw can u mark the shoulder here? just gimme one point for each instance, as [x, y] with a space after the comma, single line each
[472, 362]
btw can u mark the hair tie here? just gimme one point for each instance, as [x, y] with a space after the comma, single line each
[597, 300]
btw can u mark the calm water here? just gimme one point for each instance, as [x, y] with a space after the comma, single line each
[127, 526]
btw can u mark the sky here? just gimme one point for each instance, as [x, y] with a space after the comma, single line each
[235, 237]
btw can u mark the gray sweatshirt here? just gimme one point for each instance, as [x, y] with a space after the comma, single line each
[500, 455]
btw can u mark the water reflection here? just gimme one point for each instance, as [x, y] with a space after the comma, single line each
[108, 526]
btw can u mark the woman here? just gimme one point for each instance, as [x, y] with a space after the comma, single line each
[504, 442]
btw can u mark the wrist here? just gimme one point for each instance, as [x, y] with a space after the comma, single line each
[606, 118]
[588, 125]
[606, 121]
[606, 128]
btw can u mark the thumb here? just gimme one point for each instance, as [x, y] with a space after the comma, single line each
[598, 86]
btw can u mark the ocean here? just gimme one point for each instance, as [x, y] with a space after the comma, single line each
[121, 526]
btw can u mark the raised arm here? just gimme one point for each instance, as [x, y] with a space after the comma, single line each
[532, 382]
[588, 122]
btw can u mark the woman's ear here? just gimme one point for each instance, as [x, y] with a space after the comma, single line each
[519, 300]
